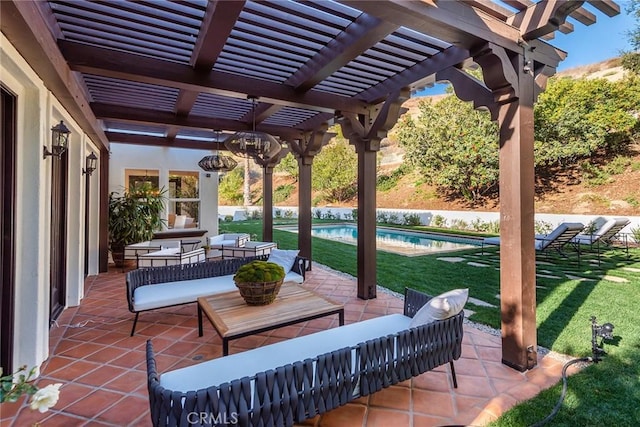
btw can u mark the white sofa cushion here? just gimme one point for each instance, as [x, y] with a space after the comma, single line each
[228, 239]
[441, 307]
[284, 258]
[292, 276]
[181, 292]
[180, 221]
[248, 363]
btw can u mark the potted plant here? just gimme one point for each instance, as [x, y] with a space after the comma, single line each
[259, 282]
[133, 217]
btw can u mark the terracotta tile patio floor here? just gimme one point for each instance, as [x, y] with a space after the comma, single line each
[103, 369]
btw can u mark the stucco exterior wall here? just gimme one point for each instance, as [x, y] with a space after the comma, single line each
[164, 159]
[38, 111]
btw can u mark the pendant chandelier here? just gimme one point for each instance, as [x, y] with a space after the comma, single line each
[217, 162]
[253, 144]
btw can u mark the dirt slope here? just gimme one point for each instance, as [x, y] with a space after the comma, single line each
[621, 196]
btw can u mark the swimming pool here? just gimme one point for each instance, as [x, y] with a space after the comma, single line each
[409, 243]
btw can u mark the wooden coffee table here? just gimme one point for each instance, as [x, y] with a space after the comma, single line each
[232, 318]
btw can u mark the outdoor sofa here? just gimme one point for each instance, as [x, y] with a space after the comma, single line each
[287, 382]
[160, 287]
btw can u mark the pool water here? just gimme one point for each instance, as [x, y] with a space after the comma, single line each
[408, 243]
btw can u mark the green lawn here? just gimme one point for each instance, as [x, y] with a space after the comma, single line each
[607, 393]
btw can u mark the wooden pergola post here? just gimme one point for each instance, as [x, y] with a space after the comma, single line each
[367, 248]
[365, 133]
[304, 205]
[510, 76]
[267, 202]
[305, 149]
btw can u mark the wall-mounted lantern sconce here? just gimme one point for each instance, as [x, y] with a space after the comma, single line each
[59, 141]
[90, 164]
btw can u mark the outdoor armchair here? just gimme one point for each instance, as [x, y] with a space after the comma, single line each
[228, 239]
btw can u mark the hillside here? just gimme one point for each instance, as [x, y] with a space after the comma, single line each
[619, 196]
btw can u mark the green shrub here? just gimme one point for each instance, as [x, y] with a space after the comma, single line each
[487, 227]
[282, 193]
[459, 224]
[618, 165]
[635, 232]
[388, 182]
[439, 221]
[493, 227]
[542, 227]
[411, 219]
[330, 215]
[593, 175]
[632, 200]
[382, 217]
[596, 199]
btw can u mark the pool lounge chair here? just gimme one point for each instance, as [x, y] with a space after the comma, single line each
[607, 235]
[556, 240]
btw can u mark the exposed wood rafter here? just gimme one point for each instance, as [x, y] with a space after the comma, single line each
[107, 62]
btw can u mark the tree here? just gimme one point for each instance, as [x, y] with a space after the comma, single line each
[576, 118]
[454, 146]
[335, 171]
[230, 188]
[289, 165]
[631, 60]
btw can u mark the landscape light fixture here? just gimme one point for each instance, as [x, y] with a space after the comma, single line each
[605, 332]
[59, 141]
[90, 164]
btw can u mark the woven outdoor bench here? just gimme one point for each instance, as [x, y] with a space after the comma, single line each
[160, 287]
[287, 382]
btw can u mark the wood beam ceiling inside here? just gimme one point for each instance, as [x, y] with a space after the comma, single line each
[342, 57]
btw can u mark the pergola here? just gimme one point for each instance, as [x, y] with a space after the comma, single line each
[169, 73]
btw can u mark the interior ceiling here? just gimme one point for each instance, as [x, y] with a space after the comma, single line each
[170, 73]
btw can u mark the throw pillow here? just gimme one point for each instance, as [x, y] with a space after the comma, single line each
[284, 257]
[441, 307]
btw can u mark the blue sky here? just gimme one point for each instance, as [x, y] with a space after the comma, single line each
[594, 43]
[586, 44]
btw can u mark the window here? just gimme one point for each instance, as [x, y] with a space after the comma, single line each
[184, 198]
[138, 178]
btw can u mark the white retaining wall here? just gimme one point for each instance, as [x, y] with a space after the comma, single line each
[426, 216]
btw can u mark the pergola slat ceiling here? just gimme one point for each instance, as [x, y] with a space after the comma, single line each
[305, 60]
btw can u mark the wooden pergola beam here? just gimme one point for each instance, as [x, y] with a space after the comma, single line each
[542, 18]
[154, 117]
[159, 141]
[363, 33]
[23, 24]
[108, 63]
[447, 58]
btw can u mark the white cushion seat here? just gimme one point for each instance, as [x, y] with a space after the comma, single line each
[181, 292]
[248, 363]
